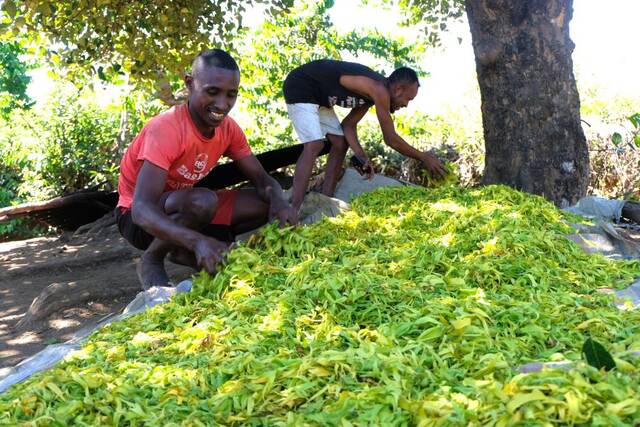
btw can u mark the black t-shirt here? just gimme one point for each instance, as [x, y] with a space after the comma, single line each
[318, 82]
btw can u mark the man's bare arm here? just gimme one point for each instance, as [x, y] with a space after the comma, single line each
[377, 91]
[393, 140]
[268, 189]
[350, 126]
[148, 214]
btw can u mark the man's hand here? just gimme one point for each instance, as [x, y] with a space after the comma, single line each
[434, 166]
[283, 212]
[209, 252]
[363, 165]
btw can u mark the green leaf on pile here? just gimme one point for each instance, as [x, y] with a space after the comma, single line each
[597, 356]
[414, 308]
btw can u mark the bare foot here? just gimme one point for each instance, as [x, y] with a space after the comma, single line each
[151, 273]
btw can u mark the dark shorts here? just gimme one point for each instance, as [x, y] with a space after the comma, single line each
[220, 227]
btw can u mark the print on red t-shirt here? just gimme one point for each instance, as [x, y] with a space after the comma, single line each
[172, 142]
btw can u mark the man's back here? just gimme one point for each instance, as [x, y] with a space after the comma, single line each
[318, 82]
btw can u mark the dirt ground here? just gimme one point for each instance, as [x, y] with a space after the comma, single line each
[70, 269]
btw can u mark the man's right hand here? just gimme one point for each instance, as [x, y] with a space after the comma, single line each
[209, 252]
[434, 165]
[364, 166]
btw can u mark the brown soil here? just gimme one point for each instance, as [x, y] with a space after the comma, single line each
[93, 275]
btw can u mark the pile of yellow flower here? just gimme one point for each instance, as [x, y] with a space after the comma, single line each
[415, 308]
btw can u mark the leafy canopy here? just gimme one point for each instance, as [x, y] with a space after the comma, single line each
[431, 16]
[153, 42]
[148, 40]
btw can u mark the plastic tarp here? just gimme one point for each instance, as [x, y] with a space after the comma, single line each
[353, 184]
[608, 240]
[598, 208]
[52, 354]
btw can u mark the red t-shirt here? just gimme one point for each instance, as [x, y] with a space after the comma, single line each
[172, 142]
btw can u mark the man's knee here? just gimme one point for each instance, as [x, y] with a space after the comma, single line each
[338, 143]
[200, 204]
[314, 147]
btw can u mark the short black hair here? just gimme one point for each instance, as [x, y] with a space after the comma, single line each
[404, 75]
[216, 58]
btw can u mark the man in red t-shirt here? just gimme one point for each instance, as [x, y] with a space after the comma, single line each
[159, 211]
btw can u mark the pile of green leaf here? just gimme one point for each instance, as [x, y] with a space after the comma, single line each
[415, 308]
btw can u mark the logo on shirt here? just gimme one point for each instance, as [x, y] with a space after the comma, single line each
[200, 162]
[191, 176]
[348, 102]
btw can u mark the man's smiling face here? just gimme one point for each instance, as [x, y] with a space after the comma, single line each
[213, 92]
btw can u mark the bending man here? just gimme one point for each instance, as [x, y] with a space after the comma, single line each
[312, 90]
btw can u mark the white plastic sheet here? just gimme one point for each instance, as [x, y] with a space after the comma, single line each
[598, 208]
[52, 354]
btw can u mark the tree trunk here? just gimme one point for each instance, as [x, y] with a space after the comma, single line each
[530, 105]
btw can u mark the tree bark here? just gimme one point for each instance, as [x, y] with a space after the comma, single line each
[530, 104]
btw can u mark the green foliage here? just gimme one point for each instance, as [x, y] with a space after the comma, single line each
[15, 159]
[80, 148]
[634, 119]
[616, 138]
[597, 356]
[13, 78]
[83, 140]
[12, 162]
[73, 143]
[147, 40]
[415, 308]
[432, 16]
[598, 102]
[634, 136]
[11, 166]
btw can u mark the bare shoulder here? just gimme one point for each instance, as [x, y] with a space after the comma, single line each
[364, 85]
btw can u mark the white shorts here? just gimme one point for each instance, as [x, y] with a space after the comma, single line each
[313, 122]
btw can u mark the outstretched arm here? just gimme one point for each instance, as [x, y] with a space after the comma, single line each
[395, 141]
[380, 96]
[268, 190]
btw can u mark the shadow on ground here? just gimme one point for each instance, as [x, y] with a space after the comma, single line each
[84, 278]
